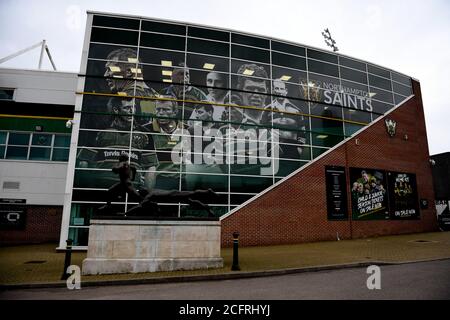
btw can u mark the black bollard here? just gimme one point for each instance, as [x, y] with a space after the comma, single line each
[235, 266]
[67, 259]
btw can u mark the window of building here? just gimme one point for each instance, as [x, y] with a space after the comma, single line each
[343, 61]
[249, 184]
[351, 128]
[379, 71]
[208, 63]
[401, 79]
[323, 68]
[39, 153]
[353, 75]
[162, 27]
[252, 54]
[161, 57]
[356, 115]
[40, 147]
[288, 48]
[3, 135]
[19, 138]
[318, 151]
[61, 146]
[254, 69]
[286, 167]
[323, 56]
[17, 153]
[401, 89]
[380, 82]
[398, 98]
[380, 108]
[210, 81]
[102, 51]
[355, 88]
[250, 41]
[155, 40]
[208, 34]
[290, 61]
[288, 75]
[114, 36]
[208, 47]
[115, 22]
[381, 95]
[6, 94]
[34, 146]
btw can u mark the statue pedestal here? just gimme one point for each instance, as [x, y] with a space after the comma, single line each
[131, 246]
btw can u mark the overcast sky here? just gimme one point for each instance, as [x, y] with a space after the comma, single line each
[411, 36]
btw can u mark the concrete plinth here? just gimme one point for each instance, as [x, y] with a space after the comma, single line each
[131, 246]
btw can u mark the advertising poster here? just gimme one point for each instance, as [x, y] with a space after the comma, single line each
[336, 193]
[403, 203]
[369, 196]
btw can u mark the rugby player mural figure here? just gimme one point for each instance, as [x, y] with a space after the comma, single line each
[115, 142]
[286, 115]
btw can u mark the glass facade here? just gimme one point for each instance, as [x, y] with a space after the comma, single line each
[198, 108]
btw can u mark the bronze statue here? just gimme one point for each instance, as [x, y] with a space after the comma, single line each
[126, 173]
[149, 206]
[148, 200]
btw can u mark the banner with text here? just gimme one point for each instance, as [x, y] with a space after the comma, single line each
[336, 185]
[369, 197]
[403, 202]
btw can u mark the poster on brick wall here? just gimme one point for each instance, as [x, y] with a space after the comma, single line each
[369, 195]
[403, 202]
[336, 189]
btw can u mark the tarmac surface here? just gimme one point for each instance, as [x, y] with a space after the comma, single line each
[40, 266]
[422, 280]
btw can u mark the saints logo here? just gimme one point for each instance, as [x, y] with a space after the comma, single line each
[391, 126]
[311, 89]
[140, 141]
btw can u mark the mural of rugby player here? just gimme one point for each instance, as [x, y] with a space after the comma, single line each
[181, 81]
[115, 142]
[215, 81]
[253, 94]
[286, 115]
[204, 115]
[122, 71]
[212, 158]
[167, 128]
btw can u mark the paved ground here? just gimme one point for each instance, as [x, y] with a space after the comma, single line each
[424, 280]
[42, 264]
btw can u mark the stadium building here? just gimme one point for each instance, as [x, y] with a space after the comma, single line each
[34, 150]
[300, 144]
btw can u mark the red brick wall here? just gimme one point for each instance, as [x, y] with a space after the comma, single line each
[42, 224]
[295, 211]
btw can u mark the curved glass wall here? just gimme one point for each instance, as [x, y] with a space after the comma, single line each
[197, 108]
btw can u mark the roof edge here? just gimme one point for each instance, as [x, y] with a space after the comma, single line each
[119, 15]
[38, 70]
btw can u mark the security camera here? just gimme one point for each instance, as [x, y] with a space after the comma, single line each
[432, 162]
[69, 124]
